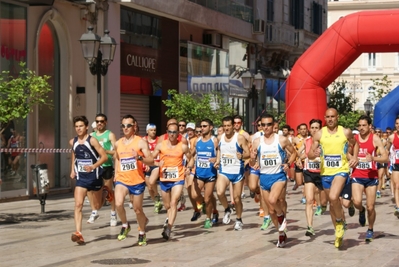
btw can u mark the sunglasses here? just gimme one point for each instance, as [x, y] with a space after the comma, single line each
[259, 125]
[197, 132]
[127, 125]
[182, 125]
[100, 121]
[378, 131]
[172, 132]
[267, 124]
[237, 122]
[204, 126]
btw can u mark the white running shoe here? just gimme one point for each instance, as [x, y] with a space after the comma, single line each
[113, 221]
[226, 218]
[238, 226]
[93, 217]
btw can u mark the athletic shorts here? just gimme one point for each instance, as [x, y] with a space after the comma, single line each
[167, 186]
[206, 180]
[326, 180]
[136, 190]
[298, 170]
[395, 167]
[148, 174]
[90, 185]
[234, 178]
[314, 178]
[108, 173]
[381, 165]
[268, 180]
[346, 192]
[253, 171]
[366, 182]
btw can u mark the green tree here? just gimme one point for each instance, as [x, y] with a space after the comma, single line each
[194, 108]
[349, 119]
[20, 94]
[343, 103]
[381, 88]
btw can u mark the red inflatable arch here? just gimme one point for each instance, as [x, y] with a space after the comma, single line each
[331, 54]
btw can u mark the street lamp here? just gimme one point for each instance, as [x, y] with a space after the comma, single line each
[368, 107]
[254, 85]
[99, 53]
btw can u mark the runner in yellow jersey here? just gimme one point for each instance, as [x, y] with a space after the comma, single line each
[331, 144]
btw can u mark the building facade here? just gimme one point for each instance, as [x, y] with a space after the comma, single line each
[188, 45]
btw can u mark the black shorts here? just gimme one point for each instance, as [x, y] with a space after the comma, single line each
[298, 170]
[381, 165]
[395, 167]
[90, 185]
[314, 178]
[347, 191]
[108, 173]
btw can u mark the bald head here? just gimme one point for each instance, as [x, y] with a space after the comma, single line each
[332, 111]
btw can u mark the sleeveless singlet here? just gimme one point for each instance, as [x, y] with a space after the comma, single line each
[271, 157]
[85, 155]
[334, 148]
[172, 169]
[395, 149]
[205, 151]
[311, 165]
[104, 141]
[229, 162]
[365, 169]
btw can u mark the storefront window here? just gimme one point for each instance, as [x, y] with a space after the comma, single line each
[13, 50]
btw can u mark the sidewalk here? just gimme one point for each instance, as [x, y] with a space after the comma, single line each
[29, 238]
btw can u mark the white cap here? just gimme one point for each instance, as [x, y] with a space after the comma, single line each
[94, 125]
[355, 132]
[191, 125]
[150, 126]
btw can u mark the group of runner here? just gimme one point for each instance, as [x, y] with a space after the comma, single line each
[335, 165]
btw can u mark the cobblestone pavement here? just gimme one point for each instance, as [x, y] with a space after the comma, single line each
[29, 238]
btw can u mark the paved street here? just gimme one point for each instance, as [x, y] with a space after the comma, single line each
[31, 239]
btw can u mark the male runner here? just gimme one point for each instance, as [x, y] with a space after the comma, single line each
[334, 141]
[107, 140]
[269, 153]
[131, 152]
[171, 152]
[87, 158]
[393, 143]
[233, 149]
[365, 175]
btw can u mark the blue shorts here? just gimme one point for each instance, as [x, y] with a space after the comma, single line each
[136, 190]
[206, 180]
[326, 180]
[90, 185]
[268, 180]
[234, 178]
[366, 182]
[166, 186]
[147, 174]
[253, 171]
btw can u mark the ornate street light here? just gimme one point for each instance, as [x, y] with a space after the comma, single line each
[99, 53]
[368, 107]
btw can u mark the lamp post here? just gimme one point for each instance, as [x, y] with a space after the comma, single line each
[368, 107]
[99, 53]
[254, 85]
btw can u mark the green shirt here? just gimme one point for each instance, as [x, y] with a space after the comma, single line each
[104, 141]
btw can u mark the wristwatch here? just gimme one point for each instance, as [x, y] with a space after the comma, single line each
[140, 158]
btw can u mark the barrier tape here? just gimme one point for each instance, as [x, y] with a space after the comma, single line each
[36, 150]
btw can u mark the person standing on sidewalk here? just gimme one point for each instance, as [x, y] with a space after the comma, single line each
[365, 175]
[107, 140]
[87, 158]
[331, 144]
[131, 152]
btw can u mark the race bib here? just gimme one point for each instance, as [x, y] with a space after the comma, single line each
[82, 163]
[314, 165]
[228, 159]
[203, 163]
[363, 164]
[128, 164]
[171, 173]
[269, 160]
[333, 161]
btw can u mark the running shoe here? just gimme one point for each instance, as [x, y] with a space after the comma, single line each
[113, 221]
[142, 240]
[208, 224]
[238, 225]
[78, 238]
[266, 223]
[124, 231]
[165, 224]
[282, 223]
[351, 209]
[339, 229]
[243, 195]
[157, 204]
[338, 242]
[282, 239]
[303, 200]
[369, 235]
[93, 217]
[130, 205]
[310, 231]
[252, 194]
[196, 215]
[318, 211]
[226, 218]
[323, 209]
[166, 233]
[182, 207]
[110, 194]
[362, 217]
[378, 194]
[396, 213]
[261, 213]
[215, 218]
